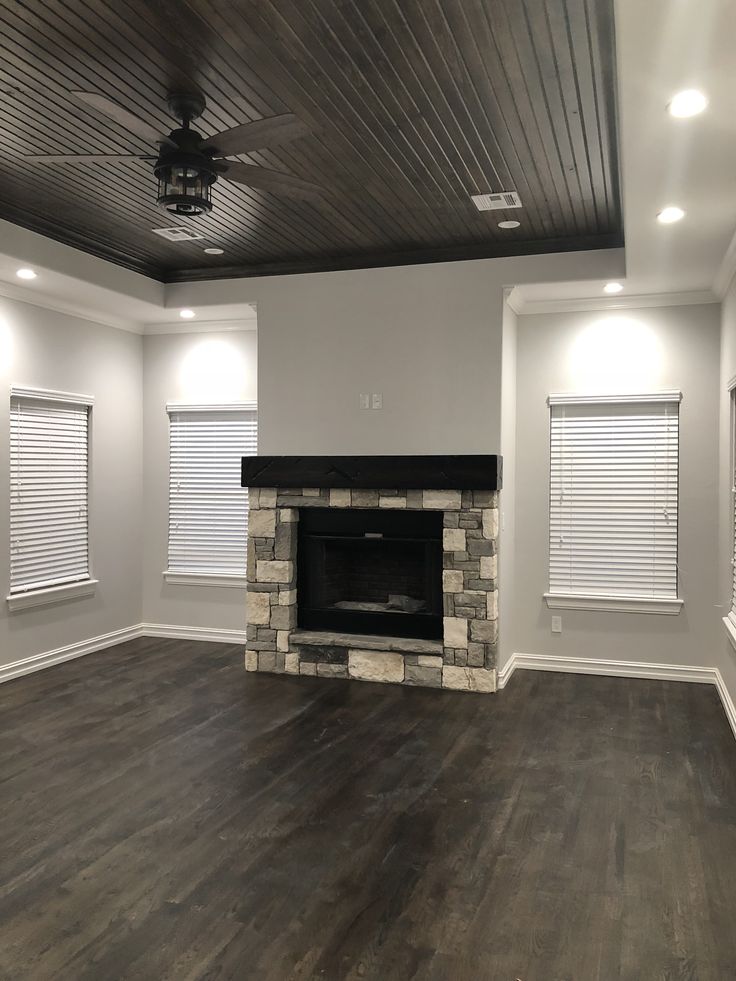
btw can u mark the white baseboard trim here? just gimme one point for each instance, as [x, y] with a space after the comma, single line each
[176, 632]
[621, 669]
[728, 705]
[28, 665]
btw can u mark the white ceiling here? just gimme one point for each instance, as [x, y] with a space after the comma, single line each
[664, 46]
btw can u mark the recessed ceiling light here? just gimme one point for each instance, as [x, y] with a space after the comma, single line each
[689, 102]
[186, 314]
[612, 288]
[509, 224]
[670, 214]
[214, 251]
[25, 273]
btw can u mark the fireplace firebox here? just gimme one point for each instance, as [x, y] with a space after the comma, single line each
[370, 571]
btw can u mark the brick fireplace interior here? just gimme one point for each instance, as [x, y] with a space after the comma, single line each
[370, 571]
[374, 568]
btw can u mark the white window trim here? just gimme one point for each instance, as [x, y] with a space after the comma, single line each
[51, 594]
[204, 579]
[48, 395]
[211, 407]
[618, 604]
[47, 595]
[231, 580]
[665, 396]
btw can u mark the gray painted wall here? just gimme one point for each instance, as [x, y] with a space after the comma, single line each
[196, 369]
[635, 350]
[507, 532]
[429, 338]
[43, 349]
[726, 656]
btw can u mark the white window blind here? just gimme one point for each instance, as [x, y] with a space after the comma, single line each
[614, 496]
[49, 437]
[208, 509]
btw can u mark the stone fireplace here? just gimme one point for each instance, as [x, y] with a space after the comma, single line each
[374, 568]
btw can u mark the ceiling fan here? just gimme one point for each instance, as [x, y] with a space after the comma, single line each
[188, 164]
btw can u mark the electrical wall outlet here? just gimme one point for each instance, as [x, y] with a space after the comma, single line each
[556, 625]
[377, 401]
[365, 401]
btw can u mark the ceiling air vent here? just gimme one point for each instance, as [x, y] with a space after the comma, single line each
[179, 233]
[496, 202]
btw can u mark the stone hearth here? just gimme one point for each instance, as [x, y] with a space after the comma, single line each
[465, 659]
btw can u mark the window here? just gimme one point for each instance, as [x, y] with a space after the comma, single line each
[208, 509]
[49, 486]
[613, 503]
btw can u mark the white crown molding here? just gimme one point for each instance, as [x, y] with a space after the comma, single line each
[622, 669]
[529, 308]
[726, 270]
[36, 299]
[201, 327]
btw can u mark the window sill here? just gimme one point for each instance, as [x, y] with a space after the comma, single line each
[205, 579]
[729, 623]
[618, 604]
[54, 594]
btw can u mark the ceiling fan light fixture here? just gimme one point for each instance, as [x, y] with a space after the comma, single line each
[185, 180]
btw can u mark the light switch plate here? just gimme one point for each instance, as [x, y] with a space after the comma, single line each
[377, 400]
[365, 401]
[556, 625]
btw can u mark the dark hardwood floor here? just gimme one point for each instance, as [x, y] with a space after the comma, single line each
[166, 816]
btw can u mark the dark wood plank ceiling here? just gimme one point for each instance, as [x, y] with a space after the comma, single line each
[412, 106]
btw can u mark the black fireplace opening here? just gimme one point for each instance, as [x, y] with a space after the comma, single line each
[370, 571]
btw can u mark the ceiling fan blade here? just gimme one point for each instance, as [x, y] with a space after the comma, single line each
[257, 135]
[271, 180]
[84, 157]
[122, 116]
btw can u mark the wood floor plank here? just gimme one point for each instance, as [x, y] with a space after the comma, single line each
[168, 817]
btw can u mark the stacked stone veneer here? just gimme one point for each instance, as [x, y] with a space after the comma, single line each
[466, 658]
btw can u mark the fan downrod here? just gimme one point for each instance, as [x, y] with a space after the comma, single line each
[186, 106]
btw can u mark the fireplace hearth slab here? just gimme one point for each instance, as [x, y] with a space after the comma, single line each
[366, 642]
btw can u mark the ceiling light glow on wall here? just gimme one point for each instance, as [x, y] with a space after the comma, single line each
[186, 314]
[214, 371]
[612, 288]
[25, 273]
[670, 214]
[689, 102]
[616, 353]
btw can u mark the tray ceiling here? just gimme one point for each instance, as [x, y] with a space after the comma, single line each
[411, 105]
